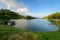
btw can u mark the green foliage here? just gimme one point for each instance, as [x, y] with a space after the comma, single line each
[53, 16]
[6, 15]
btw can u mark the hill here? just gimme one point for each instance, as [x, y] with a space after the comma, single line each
[53, 16]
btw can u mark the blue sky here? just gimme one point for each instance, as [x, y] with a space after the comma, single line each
[37, 8]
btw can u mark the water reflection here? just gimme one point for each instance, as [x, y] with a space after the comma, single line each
[41, 25]
[21, 23]
[35, 25]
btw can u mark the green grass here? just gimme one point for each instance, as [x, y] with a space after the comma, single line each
[11, 33]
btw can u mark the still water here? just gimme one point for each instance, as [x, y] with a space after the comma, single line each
[35, 25]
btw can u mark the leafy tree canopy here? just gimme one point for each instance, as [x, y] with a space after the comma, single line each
[8, 15]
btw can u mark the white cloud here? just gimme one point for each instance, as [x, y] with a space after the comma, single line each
[23, 10]
[13, 3]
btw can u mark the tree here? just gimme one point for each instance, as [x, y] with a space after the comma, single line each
[6, 15]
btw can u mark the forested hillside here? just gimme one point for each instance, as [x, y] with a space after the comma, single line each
[53, 16]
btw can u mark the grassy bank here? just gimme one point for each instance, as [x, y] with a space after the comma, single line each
[11, 33]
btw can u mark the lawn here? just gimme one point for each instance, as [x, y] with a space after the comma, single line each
[11, 33]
